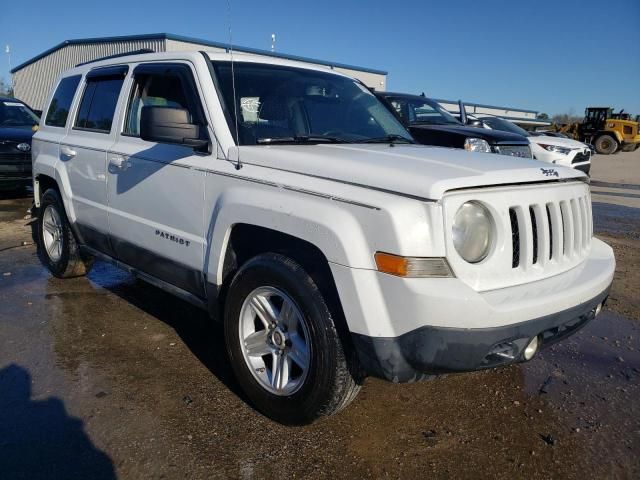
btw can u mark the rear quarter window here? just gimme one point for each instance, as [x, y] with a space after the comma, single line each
[61, 102]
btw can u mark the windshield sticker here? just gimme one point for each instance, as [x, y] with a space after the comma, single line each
[250, 104]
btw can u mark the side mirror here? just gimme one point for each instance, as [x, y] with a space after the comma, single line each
[169, 125]
[474, 122]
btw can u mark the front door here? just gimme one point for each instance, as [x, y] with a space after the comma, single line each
[155, 190]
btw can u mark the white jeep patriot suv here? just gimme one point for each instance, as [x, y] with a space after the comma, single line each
[287, 201]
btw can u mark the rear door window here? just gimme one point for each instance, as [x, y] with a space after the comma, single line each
[98, 104]
[61, 102]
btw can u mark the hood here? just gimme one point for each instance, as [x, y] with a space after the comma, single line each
[415, 170]
[558, 141]
[493, 137]
[16, 134]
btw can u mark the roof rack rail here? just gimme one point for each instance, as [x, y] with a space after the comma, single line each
[116, 55]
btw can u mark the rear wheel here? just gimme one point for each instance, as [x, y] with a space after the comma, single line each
[284, 345]
[57, 246]
[606, 145]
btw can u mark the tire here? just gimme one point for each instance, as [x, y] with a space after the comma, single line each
[331, 380]
[606, 145]
[63, 257]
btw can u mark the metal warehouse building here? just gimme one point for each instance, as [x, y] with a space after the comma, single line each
[34, 78]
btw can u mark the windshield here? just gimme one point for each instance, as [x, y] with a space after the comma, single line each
[504, 125]
[280, 104]
[421, 111]
[16, 114]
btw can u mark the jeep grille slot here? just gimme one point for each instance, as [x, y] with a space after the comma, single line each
[515, 238]
[534, 227]
[550, 223]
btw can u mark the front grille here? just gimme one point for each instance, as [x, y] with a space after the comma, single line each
[522, 151]
[582, 157]
[549, 231]
[15, 157]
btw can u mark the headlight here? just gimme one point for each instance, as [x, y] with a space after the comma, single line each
[555, 148]
[477, 145]
[472, 232]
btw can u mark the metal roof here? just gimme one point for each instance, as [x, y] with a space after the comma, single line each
[180, 38]
[455, 102]
[469, 104]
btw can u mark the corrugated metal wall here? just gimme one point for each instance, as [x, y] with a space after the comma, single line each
[179, 46]
[372, 80]
[34, 82]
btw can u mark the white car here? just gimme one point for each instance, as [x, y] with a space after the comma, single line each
[289, 203]
[560, 151]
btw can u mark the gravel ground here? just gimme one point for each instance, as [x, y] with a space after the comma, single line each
[108, 377]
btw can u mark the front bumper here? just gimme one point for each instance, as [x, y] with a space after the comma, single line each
[433, 350]
[405, 328]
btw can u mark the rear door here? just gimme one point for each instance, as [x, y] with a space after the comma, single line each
[84, 152]
[156, 190]
[46, 141]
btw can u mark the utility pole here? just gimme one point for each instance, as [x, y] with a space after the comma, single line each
[7, 50]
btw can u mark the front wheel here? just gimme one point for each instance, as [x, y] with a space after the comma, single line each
[606, 145]
[283, 343]
[57, 246]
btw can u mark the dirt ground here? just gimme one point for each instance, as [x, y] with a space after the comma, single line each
[108, 377]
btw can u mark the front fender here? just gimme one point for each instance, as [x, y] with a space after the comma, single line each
[332, 226]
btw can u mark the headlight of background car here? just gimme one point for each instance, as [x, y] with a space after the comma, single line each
[555, 148]
[477, 145]
[472, 232]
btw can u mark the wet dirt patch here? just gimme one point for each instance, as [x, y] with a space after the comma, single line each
[616, 220]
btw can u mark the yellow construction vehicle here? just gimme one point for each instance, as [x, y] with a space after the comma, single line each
[608, 132]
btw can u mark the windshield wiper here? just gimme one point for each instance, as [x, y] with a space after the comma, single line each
[388, 139]
[301, 139]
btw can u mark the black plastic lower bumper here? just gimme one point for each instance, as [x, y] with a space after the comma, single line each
[584, 168]
[433, 350]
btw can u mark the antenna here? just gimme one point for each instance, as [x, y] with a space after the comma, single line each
[273, 42]
[233, 87]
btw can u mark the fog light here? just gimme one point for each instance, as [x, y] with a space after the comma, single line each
[531, 349]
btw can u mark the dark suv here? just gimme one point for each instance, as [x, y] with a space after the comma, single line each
[17, 125]
[430, 124]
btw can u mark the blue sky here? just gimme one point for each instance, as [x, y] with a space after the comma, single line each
[552, 56]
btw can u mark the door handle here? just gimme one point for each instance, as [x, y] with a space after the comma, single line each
[119, 162]
[68, 152]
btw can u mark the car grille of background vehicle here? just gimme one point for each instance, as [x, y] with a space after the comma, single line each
[581, 157]
[522, 151]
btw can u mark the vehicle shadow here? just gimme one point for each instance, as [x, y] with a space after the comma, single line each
[16, 193]
[39, 440]
[200, 333]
